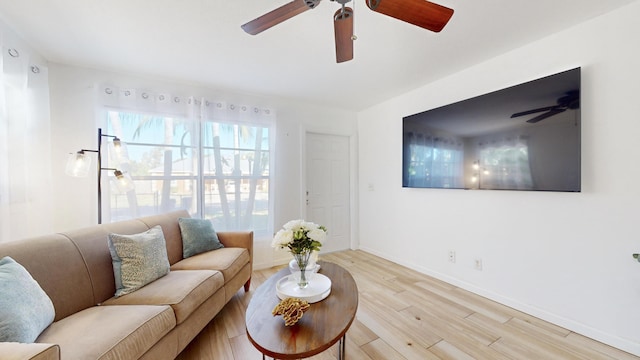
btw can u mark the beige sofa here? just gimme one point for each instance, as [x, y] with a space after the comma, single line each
[155, 322]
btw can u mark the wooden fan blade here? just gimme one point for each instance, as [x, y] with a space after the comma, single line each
[421, 13]
[529, 112]
[545, 115]
[343, 27]
[275, 17]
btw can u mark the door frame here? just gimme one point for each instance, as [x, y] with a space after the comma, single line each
[353, 180]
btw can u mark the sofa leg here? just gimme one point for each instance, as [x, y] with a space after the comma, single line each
[247, 285]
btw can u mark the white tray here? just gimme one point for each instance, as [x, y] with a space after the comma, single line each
[318, 289]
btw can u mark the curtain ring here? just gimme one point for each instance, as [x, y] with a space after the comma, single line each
[13, 52]
[35, 69]
[108, 91]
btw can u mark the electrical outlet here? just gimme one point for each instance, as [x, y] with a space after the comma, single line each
[452, 256]
[478, 264]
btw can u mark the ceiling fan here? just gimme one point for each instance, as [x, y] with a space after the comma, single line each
[570, 101]
[421, 13]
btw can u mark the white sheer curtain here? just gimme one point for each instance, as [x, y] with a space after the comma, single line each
[237, 162]
[506, 163]
[25, 144]
[209, 156]
[435, 161]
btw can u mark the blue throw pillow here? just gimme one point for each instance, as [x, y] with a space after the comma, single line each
[138, 259]
[25, 309]
[198, 236]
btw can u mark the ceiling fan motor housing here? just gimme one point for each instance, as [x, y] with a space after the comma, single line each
[311, 3]
[373, 4]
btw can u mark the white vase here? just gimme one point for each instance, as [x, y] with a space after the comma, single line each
[300, 273]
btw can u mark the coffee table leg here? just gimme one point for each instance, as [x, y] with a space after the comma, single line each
[342, 347]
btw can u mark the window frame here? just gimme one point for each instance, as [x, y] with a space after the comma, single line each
[199, 175]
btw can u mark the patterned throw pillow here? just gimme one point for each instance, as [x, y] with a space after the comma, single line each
[198, 236]
[25, 309]
[138, 259]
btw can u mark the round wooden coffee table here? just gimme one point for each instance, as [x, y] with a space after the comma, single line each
[325, 323]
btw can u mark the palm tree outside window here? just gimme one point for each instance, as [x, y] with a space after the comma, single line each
[215, 169]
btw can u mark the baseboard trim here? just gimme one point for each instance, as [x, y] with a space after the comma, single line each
[577, 327]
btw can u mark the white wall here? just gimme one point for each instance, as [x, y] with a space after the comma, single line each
[74, 126]
[564, 257]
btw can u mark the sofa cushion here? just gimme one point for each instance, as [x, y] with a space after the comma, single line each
[25, 309]
[184, 291]
[138, 259]
[110, 332]
[227, 260]
[32, 351]
[198, 236]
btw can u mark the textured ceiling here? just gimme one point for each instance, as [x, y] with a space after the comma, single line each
[201, 41]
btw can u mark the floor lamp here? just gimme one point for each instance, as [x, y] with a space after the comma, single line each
[78, 165]
[478, 173]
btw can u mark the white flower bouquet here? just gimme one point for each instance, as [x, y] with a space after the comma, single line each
[299, 236]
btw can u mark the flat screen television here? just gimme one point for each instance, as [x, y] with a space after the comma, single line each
[525, 137]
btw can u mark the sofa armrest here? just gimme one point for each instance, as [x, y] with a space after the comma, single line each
[34, 351]
[242, 239]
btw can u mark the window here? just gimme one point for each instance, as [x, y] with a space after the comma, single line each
[435, 161]
[505, 164]
[217, 170]
[236, 175]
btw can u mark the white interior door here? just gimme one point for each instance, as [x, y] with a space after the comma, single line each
[327, 193]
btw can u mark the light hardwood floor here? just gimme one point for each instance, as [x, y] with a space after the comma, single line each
[403, 314]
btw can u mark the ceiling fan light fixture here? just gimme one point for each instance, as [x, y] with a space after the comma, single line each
[343, 27]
